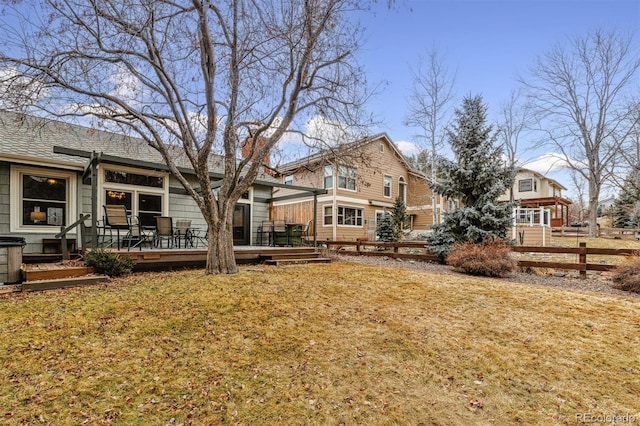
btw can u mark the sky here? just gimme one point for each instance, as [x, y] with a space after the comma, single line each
[487, 43]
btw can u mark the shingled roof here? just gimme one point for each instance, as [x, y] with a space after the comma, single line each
[26, 138]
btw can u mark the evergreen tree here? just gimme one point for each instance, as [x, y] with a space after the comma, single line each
[477, 177]
[399, 215]
[626, 208]
[386, 230]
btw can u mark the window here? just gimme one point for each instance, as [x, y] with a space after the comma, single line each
[142, 195]
[288, 180]
[386, 191]
[452, 204]
[327, 215]
[349, 216]
[41, 200]
[347, 178]
[381, 147]
[402, 189]
[127, 178]
[524, 185]
[535, 185]
[328, 177]
[44, 200]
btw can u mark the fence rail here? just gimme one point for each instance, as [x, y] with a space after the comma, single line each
[582, 265]
[618, 233]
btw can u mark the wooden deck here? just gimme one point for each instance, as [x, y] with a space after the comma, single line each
[167, 259]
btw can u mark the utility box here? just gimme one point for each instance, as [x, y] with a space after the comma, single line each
[10, 259]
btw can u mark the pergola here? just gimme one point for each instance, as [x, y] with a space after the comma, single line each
[558, 203]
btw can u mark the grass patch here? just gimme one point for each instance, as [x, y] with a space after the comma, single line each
[316, 344]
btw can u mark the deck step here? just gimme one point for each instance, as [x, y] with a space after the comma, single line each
[285, 256]
[297, 261]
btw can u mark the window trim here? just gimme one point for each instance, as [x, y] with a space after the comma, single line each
[529, 181]
[134, 189]
[328, 176]
[325, 215]
[386, 186]
[402, 189]
[357, 209]
[15, 200]
[347, 178]
[288, 180]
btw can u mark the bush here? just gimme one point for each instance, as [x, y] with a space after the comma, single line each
[626, 276]
[386, 229]
[108, 263]
[490, 258]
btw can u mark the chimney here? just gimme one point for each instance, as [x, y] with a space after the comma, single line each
[246, 150]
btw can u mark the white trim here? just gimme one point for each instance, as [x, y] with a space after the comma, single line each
[15, 199]
[134, 189]
[390, 186]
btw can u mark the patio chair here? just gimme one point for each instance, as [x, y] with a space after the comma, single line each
[305, 233]
[280, 237]
[164, 231]
[181, 232]
[265, 232]
[115, 219]
[137, 237]
[196, 238]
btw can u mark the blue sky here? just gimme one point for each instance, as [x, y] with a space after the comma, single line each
[487, 43]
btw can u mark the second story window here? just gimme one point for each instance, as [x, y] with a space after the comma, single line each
[288, 180]
[386, 190]
[525, 185]
[328, 177]
[347, 178]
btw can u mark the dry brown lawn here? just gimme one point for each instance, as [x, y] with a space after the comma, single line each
[337, 344]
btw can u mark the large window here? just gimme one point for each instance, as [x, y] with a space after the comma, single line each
[44, 200]
[142, 195]
[347, 178]
[349, 216]
[386, 186]
[41, 199]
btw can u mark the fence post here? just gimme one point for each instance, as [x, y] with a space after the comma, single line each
[582, 259]
[358, 246]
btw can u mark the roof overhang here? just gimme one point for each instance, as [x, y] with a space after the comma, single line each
[545, 201]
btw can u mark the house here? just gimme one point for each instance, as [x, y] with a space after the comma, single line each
[45, 184]
[534, 190]
[362, 180]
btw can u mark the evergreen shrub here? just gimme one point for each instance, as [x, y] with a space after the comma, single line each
[491, 258]
[108, 263]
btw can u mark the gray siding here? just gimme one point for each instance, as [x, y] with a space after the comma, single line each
[4, 198]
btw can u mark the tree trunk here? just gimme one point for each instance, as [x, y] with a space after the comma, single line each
[594, 194]
[220, 257]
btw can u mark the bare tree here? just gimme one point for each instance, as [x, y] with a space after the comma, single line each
[579, 95]
[429, 107]
[515, 120]
[201, 75]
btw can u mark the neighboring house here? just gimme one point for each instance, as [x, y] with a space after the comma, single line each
[44, 184]
[362, 179]
[533, 190]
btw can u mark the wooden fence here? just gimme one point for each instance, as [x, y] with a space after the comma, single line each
[617, 233]
[363, 248]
